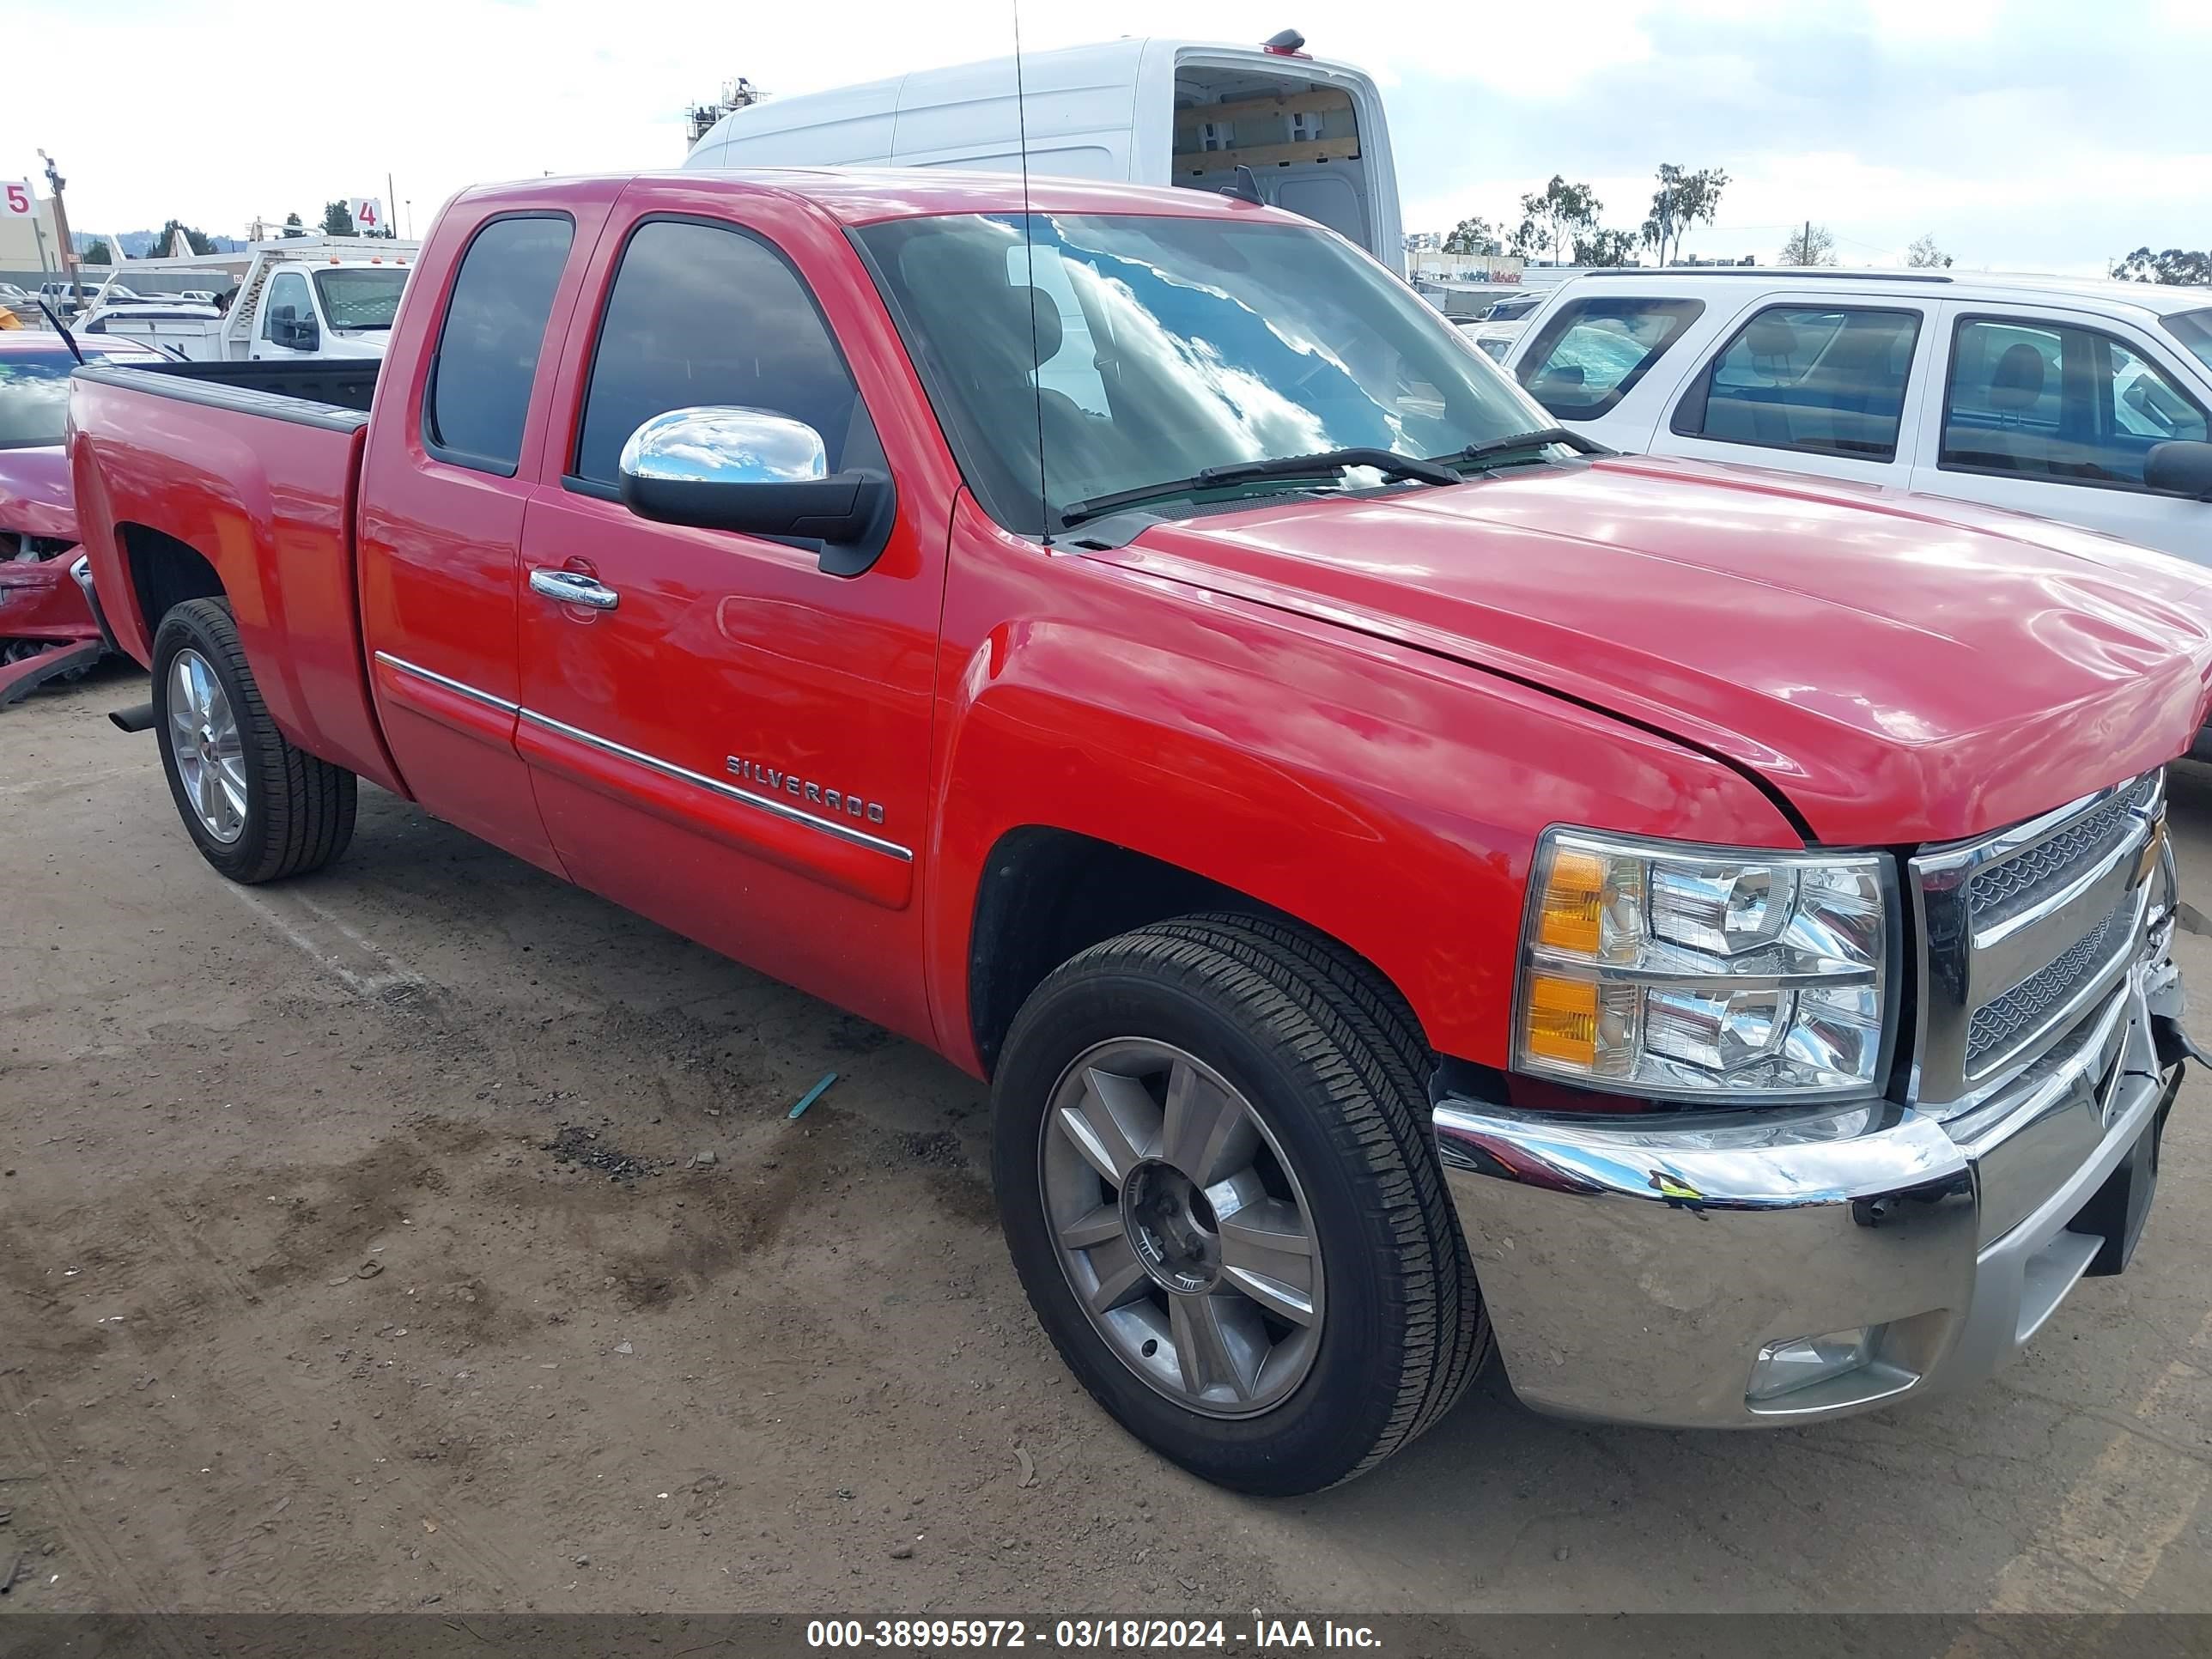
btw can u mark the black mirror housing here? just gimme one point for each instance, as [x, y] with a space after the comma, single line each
[288, 328]
[2180, 467]
[850, 512]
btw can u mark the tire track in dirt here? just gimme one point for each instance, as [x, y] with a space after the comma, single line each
[84, 1538]
[246, 1389]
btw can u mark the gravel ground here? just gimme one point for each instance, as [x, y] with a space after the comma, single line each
[426, 1233]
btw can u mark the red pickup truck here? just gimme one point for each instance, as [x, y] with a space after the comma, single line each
[1405, 876]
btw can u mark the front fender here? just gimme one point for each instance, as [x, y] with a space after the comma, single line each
[1388, 797]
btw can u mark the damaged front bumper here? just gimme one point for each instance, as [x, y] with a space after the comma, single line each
[49, 625]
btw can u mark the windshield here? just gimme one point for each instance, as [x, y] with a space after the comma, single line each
[361, 296]
[2193, 329]
[1170, 346]
[34, 393]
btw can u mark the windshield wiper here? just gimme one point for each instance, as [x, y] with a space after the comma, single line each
[1494, 447]
[1323, 463]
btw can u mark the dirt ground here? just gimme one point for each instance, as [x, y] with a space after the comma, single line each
[429, 1234]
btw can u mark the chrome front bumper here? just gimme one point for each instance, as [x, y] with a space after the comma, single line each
[1636, 1268]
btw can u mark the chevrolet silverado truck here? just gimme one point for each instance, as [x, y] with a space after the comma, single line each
[1413, 880]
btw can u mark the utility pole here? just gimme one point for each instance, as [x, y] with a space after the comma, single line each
[391, 201]
[55, 183]
[1805, 247]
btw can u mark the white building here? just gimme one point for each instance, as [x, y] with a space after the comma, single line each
[1425, 260]
[22, 234]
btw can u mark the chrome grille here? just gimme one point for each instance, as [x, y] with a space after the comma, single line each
[2006, 889]
[2022, 934]
[2000, 1022]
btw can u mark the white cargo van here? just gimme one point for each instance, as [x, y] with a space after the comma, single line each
[1137, 111]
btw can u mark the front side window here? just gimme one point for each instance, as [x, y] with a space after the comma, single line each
[288, 302]
[2058, 402]
[1210, 342]
[1829, 379]
[2193, 329]
[488, 345]
[1592, 352]
[702, 315]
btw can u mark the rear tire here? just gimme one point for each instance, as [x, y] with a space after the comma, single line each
[1314, 1045]
[258, 807]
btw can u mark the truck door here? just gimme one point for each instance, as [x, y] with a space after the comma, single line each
[725, 736]
[288, 330]
[443, 485]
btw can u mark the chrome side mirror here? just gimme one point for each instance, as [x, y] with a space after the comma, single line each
[759, 473]
[724, 445]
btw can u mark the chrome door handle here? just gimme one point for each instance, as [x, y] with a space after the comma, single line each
[572, 587]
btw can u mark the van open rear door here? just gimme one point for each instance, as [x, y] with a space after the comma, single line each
[1312, 132]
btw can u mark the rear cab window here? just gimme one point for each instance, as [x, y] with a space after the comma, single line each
[1591, 353]
[489, 339]
[1825, 378]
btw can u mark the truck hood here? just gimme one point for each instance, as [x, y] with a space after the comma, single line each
[36, 498]
[1900, 668]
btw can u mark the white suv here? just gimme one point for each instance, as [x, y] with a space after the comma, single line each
[2041, 394]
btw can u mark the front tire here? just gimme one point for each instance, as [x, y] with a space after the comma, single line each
[258, 807]
[1211, 1167]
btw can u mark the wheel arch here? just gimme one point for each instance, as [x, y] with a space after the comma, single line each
[164, 571]
[1048, 894]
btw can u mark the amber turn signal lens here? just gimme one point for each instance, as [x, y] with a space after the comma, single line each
[1560, 1021]
[1569, 916]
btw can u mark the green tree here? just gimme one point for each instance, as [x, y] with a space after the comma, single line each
[1555, 216]
[1606, 247]
[2176, 265]
[1683, 199]
[1473, 236]
[1925, 255]
[195, 239]
[1809, 245]
[337, 221]
[97, 253]
[293, 226]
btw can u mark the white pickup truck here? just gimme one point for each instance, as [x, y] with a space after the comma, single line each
[296, 299]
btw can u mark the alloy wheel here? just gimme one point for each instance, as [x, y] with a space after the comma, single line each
[1180, 1227]
[203, 738]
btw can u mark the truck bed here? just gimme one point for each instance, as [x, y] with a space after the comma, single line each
[342, 383]
[250, 467]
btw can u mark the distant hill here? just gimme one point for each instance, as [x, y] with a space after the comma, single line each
[137, 244]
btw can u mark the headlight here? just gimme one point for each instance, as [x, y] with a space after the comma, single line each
[1687, 972]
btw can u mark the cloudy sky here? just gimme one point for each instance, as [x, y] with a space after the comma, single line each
[2023, 134]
